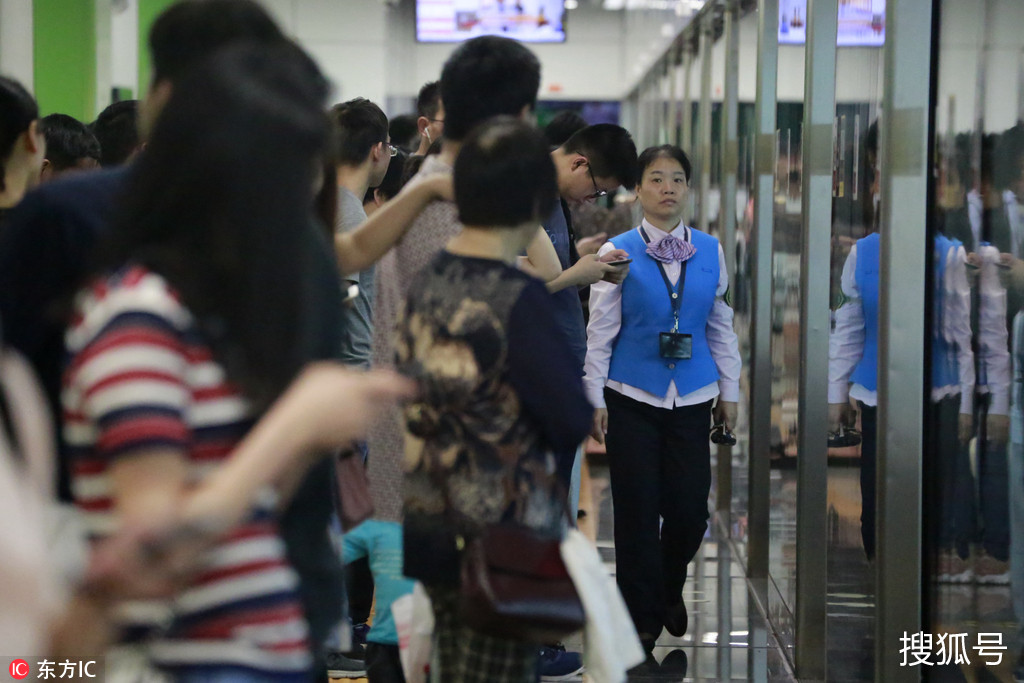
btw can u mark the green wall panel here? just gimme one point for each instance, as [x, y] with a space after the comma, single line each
[64, 52]
[149, 10]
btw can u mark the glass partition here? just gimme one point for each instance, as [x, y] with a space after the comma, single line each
[852, 395]
[975, 447]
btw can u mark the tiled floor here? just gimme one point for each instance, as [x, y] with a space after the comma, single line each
[728, 638]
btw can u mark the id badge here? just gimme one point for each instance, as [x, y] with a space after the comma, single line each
[675, 345]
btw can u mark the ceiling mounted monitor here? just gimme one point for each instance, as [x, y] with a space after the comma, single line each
[861, 22]
[451, 21]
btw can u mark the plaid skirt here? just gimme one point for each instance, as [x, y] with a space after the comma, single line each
[462, 655]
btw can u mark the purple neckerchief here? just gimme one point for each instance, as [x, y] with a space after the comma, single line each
[671, 249]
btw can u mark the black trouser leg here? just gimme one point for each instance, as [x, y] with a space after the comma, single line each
[633, 442]
[868, 458]
[383, 664]
[359, 581]
[685, 485]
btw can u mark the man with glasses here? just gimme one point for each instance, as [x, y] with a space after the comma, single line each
[594, 162]
[364, 153]
[431, 115]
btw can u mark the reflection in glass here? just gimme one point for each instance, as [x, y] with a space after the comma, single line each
[976, 480]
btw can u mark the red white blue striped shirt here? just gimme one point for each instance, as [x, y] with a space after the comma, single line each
[140, 378]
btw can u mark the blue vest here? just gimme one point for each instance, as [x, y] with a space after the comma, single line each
[945, 365]
[647, 312]
[866, 372]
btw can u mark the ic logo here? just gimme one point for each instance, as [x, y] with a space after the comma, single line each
[19, 669]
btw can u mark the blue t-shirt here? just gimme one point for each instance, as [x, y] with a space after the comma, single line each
[381, 542]
[568, 308]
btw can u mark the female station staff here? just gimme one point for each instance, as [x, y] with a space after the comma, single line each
[660, 348]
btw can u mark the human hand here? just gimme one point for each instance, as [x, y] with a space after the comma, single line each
[147, 562]
[839, 414]
[618, 275]
[973, 264]
[600, 427]
[965, 427]
[725, 413]
[590, 245]
[589, 270]
[332, 405]
[997, 428]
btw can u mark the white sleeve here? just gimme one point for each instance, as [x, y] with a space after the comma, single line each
[957, 323]
[722, 339]
[603, 328]
[992, 333]
[846, 343]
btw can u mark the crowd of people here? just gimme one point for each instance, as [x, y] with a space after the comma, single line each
[224, 303]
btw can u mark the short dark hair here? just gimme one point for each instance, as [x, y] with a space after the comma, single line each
[191, 30]
[428, 102]
[610, 151]
[359, 124]
[18, 110]
[68, 141]
[392, 181]
[404, 132]
[117, 129]
[562, 126]
[485, 77]
[504, 175]
[651, 154]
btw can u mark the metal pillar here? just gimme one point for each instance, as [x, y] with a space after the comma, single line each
[760, 406]
[815, 258]
[707, 38]
[729, 163]
[905, 131]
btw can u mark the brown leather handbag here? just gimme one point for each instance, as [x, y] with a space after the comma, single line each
[515, 585]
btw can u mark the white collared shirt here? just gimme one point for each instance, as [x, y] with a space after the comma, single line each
[606, 321]
[846, 342]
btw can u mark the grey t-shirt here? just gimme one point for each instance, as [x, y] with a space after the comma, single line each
[357, 315]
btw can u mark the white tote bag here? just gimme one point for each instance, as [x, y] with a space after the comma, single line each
[414, 622]
[610, 643]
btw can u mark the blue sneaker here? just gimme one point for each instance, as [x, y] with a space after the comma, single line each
[558, 665]
[359, 632]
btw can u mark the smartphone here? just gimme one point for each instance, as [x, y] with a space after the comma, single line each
[620, 262]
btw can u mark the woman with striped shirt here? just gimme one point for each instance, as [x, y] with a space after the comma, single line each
[193, 330]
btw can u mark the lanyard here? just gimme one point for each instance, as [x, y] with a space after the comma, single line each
[675, 294]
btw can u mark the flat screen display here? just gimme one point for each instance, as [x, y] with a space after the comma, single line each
[449, 21]
[861, 22]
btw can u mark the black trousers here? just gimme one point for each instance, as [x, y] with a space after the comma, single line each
[660, 465]
[868, 469]
[383, 664]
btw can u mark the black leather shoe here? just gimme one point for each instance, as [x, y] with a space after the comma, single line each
[675, 664]
[677, 620]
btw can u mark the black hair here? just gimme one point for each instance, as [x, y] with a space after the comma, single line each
[411, 167]
[68, 140]
[504, 175]
[485, 77]
[651, 154]
[392, 181]
[404, 132]
[191, 30]
[18, 110]
[610, 151]
[117, 129]
[218, 203]
[428, 102]
[359, 124]
[562, 126]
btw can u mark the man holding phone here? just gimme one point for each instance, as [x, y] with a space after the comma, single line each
[594, 162]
